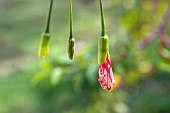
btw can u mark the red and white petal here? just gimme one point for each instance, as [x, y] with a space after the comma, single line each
[106, 77]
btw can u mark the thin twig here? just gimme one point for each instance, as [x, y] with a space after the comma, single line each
[159, 32]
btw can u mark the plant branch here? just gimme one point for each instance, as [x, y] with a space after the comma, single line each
[159, 32]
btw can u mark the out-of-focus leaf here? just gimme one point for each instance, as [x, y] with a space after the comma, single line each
[91, 74]
[131, 19]
[56, 76]
[145, 67]
[121, 107]
[78, 82]
[164, 66]
[132, 78]
[40, 77]
[45, 64]
[128, 4]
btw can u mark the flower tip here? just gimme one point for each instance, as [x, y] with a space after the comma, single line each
[70, 57]
[107, 86]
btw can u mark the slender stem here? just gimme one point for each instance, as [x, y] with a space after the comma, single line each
[71, 19]
[102, 19]
[49, 18]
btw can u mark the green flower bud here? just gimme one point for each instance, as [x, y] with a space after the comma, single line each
[103, 49]
[70, 48]
[44, 45]
[45, 38]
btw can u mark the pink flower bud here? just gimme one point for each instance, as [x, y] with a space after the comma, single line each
[106, 78]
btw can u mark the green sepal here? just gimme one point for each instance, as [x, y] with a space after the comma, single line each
[70, 48]
[44, 45]
[103, 49]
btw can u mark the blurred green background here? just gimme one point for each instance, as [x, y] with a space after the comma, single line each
[58, 85]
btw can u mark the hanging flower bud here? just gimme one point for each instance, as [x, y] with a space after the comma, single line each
[71, 48]
[106, 78]
[45, 39]
[71, 40]
[44, 46]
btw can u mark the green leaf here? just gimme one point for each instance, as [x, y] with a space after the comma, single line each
[56, 76]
